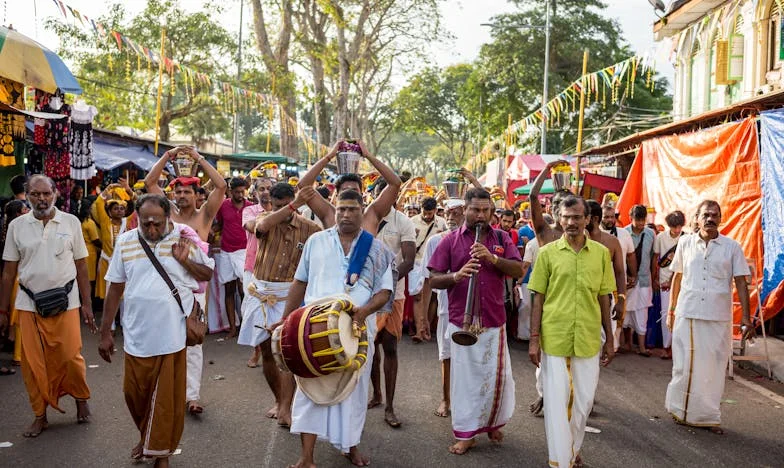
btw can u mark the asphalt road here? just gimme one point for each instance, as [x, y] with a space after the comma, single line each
[635, 429]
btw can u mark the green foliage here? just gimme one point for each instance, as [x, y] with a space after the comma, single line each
[124, 88]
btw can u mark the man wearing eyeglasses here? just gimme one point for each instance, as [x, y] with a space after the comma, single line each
[46, 248]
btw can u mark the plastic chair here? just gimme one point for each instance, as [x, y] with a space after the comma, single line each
[740, 344]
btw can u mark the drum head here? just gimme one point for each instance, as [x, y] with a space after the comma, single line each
[347, 339]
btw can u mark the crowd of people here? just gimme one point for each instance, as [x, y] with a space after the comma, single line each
[559, 274]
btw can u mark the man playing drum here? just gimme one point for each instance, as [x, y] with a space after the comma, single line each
[282, 234]
[344, 259]
[475, 409]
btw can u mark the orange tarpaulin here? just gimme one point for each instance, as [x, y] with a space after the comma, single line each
[720, 163]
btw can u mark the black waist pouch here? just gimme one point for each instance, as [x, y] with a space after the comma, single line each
[52, 301]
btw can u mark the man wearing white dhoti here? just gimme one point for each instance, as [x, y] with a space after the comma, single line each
[331, 264]
[664, 249]
[700, 316]
[482, 387]
[281, 236]
[640, 283]
[572, 281]
[454, 219]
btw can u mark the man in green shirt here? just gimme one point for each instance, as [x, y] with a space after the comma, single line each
[571, 282]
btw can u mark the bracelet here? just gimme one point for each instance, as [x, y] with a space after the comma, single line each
[495, 259]
[622, 296]
[454, 277]
[291, 207]
[534, 335]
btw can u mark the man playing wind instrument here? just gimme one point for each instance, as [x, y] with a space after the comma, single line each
[476, 410]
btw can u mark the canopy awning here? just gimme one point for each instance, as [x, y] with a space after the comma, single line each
[603, 183]
[110, 156]
[547, 188]
[262, 156]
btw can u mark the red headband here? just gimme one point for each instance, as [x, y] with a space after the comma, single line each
[185, 181]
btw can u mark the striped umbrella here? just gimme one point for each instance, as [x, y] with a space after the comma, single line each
[28, 62]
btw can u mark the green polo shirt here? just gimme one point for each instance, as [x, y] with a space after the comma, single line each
[571, 283]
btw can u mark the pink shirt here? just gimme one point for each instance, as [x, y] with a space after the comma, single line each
[453, 252]
[250, 214]
[188, 233]
[232, 233]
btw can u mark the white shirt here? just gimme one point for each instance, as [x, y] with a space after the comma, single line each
[153, 323]
[441, 294]
[398, 229]
[663, 243]
[324, 266]
[531, 252]
[708, 271]
[424, 231]
[46, 255]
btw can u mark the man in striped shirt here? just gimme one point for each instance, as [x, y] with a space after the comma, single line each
[281, 236]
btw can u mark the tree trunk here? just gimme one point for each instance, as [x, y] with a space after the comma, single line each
[288, 130]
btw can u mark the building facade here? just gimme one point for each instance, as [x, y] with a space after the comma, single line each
[724, 52]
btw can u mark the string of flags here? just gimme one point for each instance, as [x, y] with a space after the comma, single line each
[231, 97]
[617, 80]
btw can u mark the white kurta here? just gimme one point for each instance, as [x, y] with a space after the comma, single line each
[323, 266]
[482, 388]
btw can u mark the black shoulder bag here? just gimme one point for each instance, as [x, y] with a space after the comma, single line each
[195, 324]
[50, 302]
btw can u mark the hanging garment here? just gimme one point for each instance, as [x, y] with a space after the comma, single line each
[12, 126]
[81, 139]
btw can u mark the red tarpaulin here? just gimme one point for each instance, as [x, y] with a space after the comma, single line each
[719, 163]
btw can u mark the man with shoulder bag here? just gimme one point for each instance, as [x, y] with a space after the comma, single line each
[46, 247]
[156, 269]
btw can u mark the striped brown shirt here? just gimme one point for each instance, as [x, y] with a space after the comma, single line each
[280, 249]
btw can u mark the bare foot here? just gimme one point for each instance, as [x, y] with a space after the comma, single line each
[496, 436]
[375, 401]
[138, 452]
[161, 463]
[391, 419]
[284, 419]
[253, 362]
[717, 430]
[272, 413]
[462, 446]
[82, 412]
[443, 410]
[536, 407]
[233, 332]
[356, 458]
[302, 463]
[39, 425]
[578, 461]
[194, 408]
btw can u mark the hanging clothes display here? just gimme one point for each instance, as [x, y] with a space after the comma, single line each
[81, 139]
[12, 126]
[57, 147]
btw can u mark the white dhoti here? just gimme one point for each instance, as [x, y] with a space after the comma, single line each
[443, 338]
[700, 353]
[229, 266]
[570, 385]
[665, 307]
[524, 313]
[482, 388]
[263, 306]
[194, 358]
[341, 424]
[638, 299]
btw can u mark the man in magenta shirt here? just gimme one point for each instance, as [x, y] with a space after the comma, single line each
[475, 408]
[230, 262]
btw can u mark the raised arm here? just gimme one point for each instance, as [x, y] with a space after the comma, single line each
[471, 178]
[151, 181]
[537, 219]
[218, 193]
[381, 205]
[310, 177]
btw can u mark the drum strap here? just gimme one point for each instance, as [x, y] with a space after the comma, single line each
[358, 257]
